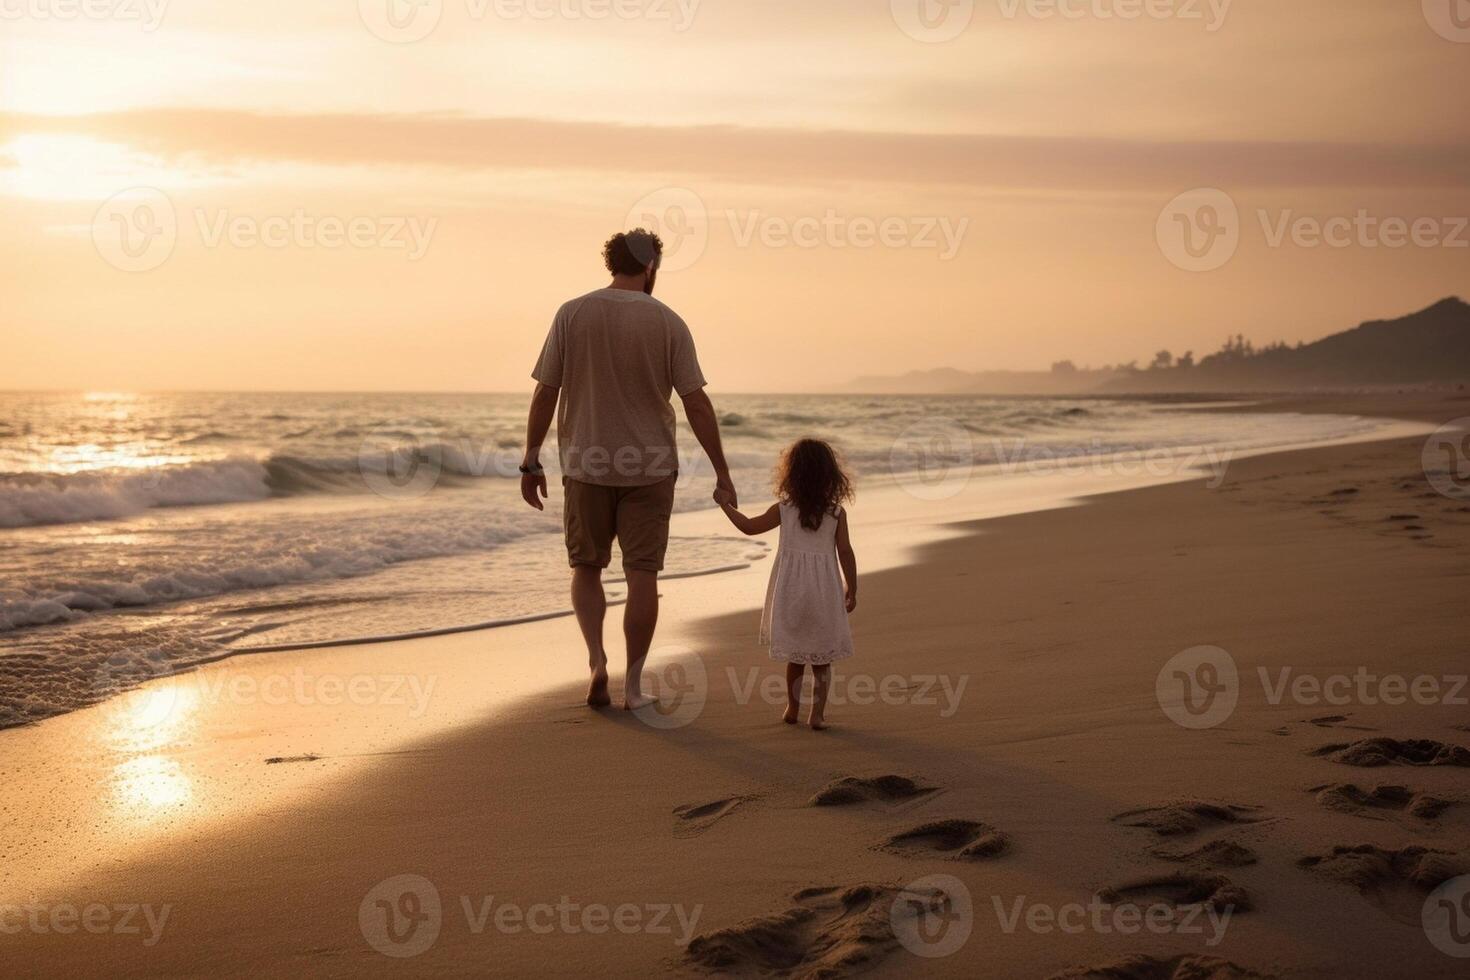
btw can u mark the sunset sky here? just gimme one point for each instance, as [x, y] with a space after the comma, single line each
[287, 194]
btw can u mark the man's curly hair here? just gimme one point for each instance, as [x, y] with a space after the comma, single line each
[629, 253]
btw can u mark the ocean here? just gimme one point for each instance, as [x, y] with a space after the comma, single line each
[145, 534]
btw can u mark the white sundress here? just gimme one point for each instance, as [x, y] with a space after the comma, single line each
[805, 619]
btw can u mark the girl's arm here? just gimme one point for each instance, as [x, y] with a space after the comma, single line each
[768, 521]
[847, 559]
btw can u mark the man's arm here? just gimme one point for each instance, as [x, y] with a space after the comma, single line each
[701, 414]
[538, 423]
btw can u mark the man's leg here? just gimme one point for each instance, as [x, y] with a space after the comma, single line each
[643, 534]
[590, 604]
[640, 619]
[590, 519]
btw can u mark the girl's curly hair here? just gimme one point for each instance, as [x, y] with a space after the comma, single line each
[811, 479]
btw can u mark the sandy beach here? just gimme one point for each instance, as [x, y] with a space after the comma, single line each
[1010, 787]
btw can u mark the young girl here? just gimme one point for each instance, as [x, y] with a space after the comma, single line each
[805, 619]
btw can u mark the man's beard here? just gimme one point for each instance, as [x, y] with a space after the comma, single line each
[649, 280]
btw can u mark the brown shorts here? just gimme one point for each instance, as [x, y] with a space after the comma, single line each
[637, 516]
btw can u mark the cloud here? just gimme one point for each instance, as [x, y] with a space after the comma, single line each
[227, 137]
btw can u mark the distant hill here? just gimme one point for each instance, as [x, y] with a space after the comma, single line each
[1431, 346]
[949, 381]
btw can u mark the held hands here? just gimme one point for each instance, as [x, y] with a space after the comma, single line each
[725, 494]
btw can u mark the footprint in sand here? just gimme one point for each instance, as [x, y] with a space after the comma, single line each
[1154, 968]
[1395, 881]
[1188, 816]
[1180, 890]
[957, 840]
[1215, 854]
[827, 932]
[693, 819]
[1371, 752]
[281, 759]
[1347, 798]
[878, 789]
[1323, 721]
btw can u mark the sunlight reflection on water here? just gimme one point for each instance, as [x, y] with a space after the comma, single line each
[147, 784]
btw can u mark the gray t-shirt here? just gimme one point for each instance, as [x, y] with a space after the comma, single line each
[617, 355]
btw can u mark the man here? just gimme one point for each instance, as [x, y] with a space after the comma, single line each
[613, 358]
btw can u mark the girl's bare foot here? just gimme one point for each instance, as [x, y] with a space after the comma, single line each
[792, 711]
[818, 724]
[597, 696]
[632, 702]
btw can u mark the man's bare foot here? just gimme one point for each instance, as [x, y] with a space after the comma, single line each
[632, 702]
[792, 713]
[818, 724]
[597, 696]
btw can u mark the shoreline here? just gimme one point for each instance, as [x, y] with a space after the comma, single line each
[346, 779]
[1005, 457]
